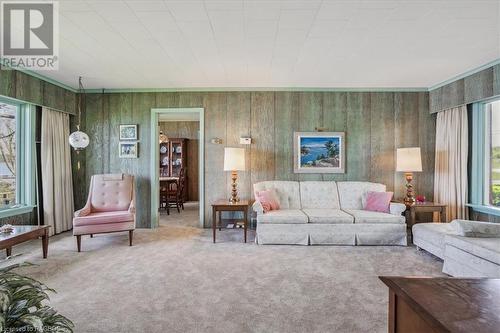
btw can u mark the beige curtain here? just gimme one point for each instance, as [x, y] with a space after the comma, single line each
[450, 174]
[57, 181]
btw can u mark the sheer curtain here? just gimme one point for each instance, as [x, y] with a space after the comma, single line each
[57, 181]
[450, 174]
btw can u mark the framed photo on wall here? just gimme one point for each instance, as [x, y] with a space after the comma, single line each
[128, 150]
[128, 132]
[319, 152]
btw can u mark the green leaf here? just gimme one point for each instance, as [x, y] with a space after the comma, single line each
[34, 321]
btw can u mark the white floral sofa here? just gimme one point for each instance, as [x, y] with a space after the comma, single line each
[327, 212]
[467, 248]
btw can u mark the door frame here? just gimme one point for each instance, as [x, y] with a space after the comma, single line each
[155, 160]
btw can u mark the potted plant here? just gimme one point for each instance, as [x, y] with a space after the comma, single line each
[24, 305]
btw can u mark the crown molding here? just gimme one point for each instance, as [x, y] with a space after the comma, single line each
[253, 89]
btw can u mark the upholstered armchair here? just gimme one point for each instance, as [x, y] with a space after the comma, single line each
[110, 207]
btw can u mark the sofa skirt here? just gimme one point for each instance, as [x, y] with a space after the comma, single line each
[459, 263]
[332, 234]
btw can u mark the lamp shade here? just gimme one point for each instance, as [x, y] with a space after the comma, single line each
[408, 159]
[234, 159]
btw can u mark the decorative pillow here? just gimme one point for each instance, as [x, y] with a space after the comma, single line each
[268, 199]
[476, 229]
[378, 201]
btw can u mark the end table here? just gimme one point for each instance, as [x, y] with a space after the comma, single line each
[226, 206]
[425, 207]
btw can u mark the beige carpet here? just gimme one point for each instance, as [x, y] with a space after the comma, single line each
[175, 280]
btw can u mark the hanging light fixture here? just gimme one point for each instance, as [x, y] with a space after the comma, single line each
[163, 138]
[79, 140]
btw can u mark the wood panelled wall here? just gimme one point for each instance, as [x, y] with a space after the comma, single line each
[473, 88]
[30, 89]
[375, 124]
[186, 130]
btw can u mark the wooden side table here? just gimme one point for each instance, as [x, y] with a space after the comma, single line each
[225, 206]
[425, 207]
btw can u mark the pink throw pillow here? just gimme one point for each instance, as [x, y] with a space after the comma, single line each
[378, 201]
[268, 200]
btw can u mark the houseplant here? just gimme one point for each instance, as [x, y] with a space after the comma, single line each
[24, 305]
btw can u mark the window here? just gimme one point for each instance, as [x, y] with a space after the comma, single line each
[492, 179]
[8, 115]
[17, 167]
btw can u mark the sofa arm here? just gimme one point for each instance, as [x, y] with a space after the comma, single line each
[257, 207]
[396, 208]
[131, 208]
[85, 211]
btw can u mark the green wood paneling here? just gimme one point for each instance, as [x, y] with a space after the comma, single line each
[496, 80]
[286, 122]
[262, 130]
[358, 150]
[427, 144]
[310, 118]
[375, 124]
[7, 82]
[406, 134]
[382, 127]
[29, 88]
[237, 121]
[215, 105]
[335, 120]
[479, 86]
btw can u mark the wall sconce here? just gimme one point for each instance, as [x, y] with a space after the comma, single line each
[321, 129]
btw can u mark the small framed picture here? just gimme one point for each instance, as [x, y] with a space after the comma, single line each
[128, 132]
[128, 149]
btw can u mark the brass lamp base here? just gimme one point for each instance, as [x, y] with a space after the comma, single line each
[234, 192]
[410, 195]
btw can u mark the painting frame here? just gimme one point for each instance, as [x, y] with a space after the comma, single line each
[132, 152]
[128, 132]
[299, 164]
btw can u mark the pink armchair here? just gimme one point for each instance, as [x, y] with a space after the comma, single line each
[110, 207]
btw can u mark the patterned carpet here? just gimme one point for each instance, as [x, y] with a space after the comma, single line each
[174, 279]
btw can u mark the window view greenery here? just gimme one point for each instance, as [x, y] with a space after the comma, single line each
[7, 155]
[495, 154]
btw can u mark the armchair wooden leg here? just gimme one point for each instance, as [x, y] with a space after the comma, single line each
[91, 236]
[79, 242]
[130, 237]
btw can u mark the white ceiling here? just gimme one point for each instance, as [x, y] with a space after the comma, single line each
[273, 44]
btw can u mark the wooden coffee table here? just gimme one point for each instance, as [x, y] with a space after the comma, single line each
[443, 304]
[23, 233]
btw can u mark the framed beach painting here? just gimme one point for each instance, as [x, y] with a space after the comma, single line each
[319, 152]
[128, 149]
[128, 132]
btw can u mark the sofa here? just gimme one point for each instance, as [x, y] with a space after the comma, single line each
[463, 256]
[327, 213]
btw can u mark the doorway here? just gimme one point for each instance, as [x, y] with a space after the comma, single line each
[177, 166]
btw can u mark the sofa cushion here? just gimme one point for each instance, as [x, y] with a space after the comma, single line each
[365, 216]
[268, 199]
[103, 218]
[378, 201]
[430, 236]
[283, 216]
[318, 194]
[351, 193]
[287, 192]
[486, 248]
[330, 216]
[476, 228]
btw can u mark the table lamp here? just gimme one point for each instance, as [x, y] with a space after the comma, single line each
[234, 160]
[408, 160]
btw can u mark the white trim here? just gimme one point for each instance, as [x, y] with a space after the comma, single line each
[155, 161]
